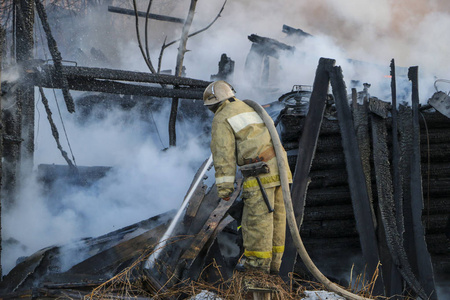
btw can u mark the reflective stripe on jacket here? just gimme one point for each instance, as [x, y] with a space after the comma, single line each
[239, 134]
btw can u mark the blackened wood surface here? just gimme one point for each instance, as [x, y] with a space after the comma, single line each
[423, 256]
[306, 149]
[209, 226]
[357, 183]
[75, 72]
[361, 124]
[387, 206]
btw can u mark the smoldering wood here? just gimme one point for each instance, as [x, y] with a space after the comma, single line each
[386, 206]
[357, 182]
[73, 72]
[41, 266]
[425, 268]
[130, 12]
[114, 87]
[396, 177]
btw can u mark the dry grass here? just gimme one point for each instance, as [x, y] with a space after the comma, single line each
[131, 283]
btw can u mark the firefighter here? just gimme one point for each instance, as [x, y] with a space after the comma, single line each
[240, 137]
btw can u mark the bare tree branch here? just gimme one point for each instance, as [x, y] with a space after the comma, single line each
[146, 59]
[160, 56]
[164, 46]
[178, 71]
[146, 29]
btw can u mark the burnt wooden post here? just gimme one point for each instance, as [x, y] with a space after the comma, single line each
[2, 43]
[20, 154]
[306, 150]
[396, 286]
[425, 267]
[356, 178]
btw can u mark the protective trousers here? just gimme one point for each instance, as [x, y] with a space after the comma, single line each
[263, 232]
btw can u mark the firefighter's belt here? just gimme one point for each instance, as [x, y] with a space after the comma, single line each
[254, 169]
[266, 155]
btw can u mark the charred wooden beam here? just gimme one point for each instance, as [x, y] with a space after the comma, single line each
[357, 182]
[71, 72]
[361, 123]
[114, 81]
[310, 135]
[425, 268]
[131, 12]
[19, 157]
[113, 87]
[268, 46]
[306, 150]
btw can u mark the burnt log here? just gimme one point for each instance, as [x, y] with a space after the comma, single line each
[131, 12]
[112, 87]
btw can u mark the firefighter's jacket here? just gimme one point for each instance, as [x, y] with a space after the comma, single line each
[238, 136]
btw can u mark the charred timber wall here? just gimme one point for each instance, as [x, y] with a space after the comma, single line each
[328, 211]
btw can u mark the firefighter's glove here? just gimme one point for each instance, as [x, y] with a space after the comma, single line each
[224, 192]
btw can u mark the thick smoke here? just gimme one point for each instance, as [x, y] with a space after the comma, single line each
[146, 181]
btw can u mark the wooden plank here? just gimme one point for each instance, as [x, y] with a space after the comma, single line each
[209, 227]
[306, 150]
[357, 182]
[425, 267]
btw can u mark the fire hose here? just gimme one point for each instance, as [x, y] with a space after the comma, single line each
[290, 216]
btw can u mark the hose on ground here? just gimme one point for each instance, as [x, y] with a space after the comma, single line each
[290, 216]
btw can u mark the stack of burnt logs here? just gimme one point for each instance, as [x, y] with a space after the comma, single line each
[375, 196]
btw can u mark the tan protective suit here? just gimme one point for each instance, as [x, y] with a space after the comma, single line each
[239, 136]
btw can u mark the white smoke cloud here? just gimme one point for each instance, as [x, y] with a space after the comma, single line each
[146, 181]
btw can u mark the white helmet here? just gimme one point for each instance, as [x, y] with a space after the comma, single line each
[217, 92]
